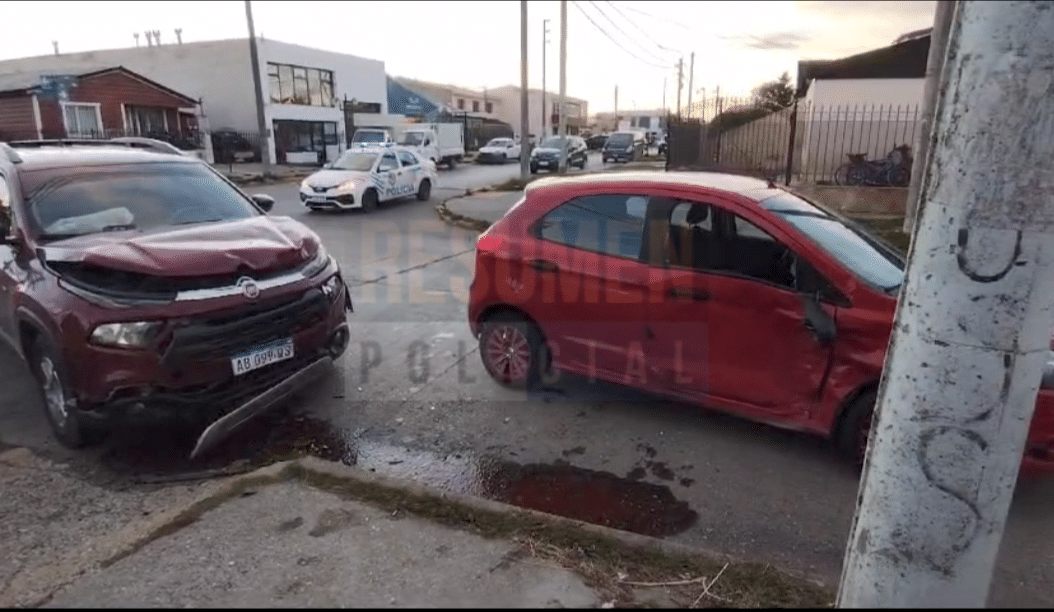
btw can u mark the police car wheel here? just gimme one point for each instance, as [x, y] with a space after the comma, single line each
[369, 201]
[424, 190]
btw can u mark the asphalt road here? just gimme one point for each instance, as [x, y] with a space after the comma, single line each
[410, 398]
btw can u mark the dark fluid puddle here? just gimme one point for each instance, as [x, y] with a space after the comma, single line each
[586, 495]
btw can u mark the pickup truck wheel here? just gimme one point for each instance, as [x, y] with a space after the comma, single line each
[369, 201]
[60, 405]
[424, 190]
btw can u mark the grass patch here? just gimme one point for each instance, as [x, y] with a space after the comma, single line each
[605, 564]
[889, 228]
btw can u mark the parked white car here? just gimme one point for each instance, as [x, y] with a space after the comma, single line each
[499, 151]
[364, 177]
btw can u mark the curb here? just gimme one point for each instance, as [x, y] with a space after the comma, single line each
[452, 218]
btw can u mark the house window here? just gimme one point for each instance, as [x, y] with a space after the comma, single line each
[300, 85]
[644, 122]
[145, 120]
[461, 104]
[82, 119]
[475, 106]
[490, 107]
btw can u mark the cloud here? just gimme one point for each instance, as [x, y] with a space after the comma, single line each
[776, 41]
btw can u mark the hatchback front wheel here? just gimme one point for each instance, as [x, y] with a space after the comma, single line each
[512, 351]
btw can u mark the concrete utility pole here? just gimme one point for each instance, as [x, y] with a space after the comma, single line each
[973, 324]
[525, 125]
[261, 118]
[616, 109]
[942, 23]
[691, 80]
[680, 84]
[664, 95]
[545, 114]
[563, 86]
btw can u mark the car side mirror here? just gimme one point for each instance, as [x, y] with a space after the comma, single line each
[264, 201]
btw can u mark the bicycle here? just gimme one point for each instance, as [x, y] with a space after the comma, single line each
[894, 170]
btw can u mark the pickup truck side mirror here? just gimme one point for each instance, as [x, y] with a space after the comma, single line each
[264, 201]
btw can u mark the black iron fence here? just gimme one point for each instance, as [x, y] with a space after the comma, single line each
[837, 144]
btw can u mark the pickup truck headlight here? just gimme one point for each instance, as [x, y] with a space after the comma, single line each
[1048, 372]
[332, 287]
[125, 335]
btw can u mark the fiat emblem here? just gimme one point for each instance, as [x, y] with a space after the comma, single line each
[249, 287]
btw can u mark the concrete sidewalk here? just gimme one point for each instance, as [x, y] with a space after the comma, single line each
[479, 210]
[250, 173]
[313, 533]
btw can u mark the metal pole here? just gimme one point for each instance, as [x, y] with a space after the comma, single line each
[261, 118]
[545, 115]
[691, 78]
[616, 109]
[790, 142]
[563, 86]
[942, 22]
[680, 84]
[525, 145]
[972, 329]
[664, 94]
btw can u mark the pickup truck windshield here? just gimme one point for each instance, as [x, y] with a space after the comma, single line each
[353, 160]
[68, 202]
[413, 139]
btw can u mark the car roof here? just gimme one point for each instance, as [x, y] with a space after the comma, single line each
[59, 156]
[752, 188]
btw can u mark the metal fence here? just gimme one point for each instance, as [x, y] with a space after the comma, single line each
[186, 142]
[836, 144]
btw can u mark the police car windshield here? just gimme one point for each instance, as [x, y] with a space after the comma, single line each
[369, 137]
[353, 160]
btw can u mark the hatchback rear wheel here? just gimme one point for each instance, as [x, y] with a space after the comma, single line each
[855, 431]
[512, 350]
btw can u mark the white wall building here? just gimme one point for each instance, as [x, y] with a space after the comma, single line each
[652, 121]
[508, 110]
[304, 88]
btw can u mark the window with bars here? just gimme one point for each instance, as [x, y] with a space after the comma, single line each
[300, 85]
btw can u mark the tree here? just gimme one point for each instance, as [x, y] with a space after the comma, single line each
[775, 95]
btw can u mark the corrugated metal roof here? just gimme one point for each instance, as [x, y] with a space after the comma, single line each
[15, 81]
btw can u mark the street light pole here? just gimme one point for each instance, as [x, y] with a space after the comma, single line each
[525, 148]
[563, 86]
[972, 329]
[261, 118]
[545, 43]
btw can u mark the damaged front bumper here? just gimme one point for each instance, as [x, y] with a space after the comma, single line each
[225, 426]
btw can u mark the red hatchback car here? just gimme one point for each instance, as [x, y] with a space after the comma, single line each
[716, 289]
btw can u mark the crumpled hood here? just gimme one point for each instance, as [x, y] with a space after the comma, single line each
[329, 179]
[256, 245]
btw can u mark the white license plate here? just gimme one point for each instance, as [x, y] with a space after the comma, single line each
[545, 164]
[317, 201]
[264, 356]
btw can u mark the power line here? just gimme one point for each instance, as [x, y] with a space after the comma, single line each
[646, 14]
[623, 32]
[605, 33]
[655, 42]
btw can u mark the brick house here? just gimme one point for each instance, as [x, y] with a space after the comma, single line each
[102, 103]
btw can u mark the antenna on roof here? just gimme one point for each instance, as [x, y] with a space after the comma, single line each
[136, 35]
[179, 36]
[157, 37]
[55, 45]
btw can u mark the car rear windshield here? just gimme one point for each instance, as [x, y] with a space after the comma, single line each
[368, 137]
[620, 140]
[67, 202]
[854, 247]
[360, 162]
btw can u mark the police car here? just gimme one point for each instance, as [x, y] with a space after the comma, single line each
[364, 177]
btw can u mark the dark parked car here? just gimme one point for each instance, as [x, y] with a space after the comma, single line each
[715, 289]
[623, 147]
[547, 155]
[596, 142]
[137, 283]
[229, 146]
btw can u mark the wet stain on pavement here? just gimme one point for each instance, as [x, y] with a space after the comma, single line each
[602, 498]
[332, 520]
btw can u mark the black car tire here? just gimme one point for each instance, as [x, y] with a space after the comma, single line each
[539, 363]
[424, 190]
[504, 158]
[369, 201]
[852, 437]
[534, 168]
[70, 428]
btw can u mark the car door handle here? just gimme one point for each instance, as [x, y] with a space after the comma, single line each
[683, 293]
[543, 266]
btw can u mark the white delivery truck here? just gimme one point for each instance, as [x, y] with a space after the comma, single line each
[443, 143]
[372, 137]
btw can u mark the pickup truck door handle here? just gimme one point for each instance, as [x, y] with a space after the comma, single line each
[683, 293]
[543, 266]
